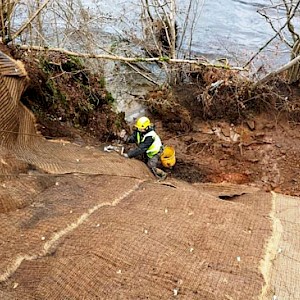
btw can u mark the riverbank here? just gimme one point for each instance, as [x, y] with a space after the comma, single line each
[223, 128]
[72, 213]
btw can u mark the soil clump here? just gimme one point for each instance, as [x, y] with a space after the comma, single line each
[68, 100]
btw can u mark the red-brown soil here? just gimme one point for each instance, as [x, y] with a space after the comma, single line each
[233, 133]
[267, 156]
[236, 133]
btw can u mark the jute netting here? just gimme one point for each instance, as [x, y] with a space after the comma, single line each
[79, 223]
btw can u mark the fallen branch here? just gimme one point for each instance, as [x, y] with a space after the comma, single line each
[131, 59]
[142, 74]
[278, 71]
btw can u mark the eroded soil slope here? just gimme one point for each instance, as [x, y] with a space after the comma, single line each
[223, 127]
[266, 156]
[87, 224]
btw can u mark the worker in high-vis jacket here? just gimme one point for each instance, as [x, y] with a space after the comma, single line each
[148, 144]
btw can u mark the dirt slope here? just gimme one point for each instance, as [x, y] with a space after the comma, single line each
[267, 156]
[79, 223]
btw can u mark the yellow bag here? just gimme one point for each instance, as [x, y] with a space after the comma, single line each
[168, 158]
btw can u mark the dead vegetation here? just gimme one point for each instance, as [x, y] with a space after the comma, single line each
[218, 94]
[66, 96]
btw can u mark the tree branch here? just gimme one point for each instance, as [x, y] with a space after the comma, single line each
[132, 59]
[278, 71]
[29, 21]
[277, 33]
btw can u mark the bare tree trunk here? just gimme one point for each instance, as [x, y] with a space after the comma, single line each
[6, 10]
[2, 19]
[173, 29]
[293, 74]
[198, 62]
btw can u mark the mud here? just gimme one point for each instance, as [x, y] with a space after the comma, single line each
[224, 128]
[266, 158]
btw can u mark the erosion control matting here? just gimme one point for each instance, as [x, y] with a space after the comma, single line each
[103, 237]
[285, 271]
[79, 223]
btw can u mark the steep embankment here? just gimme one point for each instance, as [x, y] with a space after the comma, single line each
[114, 232]
[79, 223]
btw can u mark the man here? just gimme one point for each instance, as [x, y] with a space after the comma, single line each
[149, 144]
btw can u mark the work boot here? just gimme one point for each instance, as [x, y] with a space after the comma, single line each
[159, 174]
[163, 176]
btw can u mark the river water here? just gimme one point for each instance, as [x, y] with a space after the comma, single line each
[225, 28]
[230, 28]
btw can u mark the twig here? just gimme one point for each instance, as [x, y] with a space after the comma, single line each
[142, 74]
[277, 33]
[274, 29]
[29, 21]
